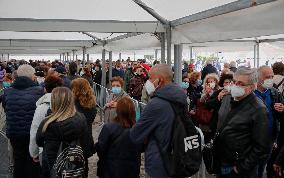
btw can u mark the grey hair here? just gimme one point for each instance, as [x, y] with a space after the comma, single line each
[25, 71]
[251, 73]
[259, 71]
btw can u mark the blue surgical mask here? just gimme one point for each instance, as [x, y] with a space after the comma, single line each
[184, 85]
[199, 82]
[116, 90]
[6, 84]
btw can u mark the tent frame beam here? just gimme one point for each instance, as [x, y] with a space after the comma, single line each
[224, 9]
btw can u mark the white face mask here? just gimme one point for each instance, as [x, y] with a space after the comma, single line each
[81, 73]
[227, 88]
[237, 91]
[212, 85]
[150, 87]
[267, 84]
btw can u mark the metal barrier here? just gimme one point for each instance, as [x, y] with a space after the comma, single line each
[6, 164]
[102, 93]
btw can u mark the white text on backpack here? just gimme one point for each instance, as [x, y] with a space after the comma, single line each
[191, 142]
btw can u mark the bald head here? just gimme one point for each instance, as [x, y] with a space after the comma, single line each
[163, 70]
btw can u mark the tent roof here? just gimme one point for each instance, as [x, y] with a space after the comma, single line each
[118, 25]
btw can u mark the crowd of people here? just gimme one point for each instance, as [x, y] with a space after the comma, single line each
[51, 107]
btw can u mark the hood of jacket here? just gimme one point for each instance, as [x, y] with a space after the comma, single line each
[23, 82]
[44, 99]
[172, 93]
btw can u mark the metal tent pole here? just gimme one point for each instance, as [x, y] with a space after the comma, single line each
[254, 56]
[163, 48]
[191, 54]
[257, 54]
[84, 54]
[60, 57]
[103, 68]
[178, 63]
[119, 56]
[88, 58]
[156, 54]
[169, 45]
[73, 55]
[8, 57]
[110, 66]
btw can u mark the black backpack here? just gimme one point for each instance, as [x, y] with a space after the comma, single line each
[70, 162]
[183, 156]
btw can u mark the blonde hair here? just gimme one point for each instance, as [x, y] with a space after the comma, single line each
[212, 76]
[62, 106]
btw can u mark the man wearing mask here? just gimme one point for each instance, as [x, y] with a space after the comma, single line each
[157, 118]
[273, 101]
[244, 139]
[118, 71]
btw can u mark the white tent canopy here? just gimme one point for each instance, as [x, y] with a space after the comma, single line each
[117, 25]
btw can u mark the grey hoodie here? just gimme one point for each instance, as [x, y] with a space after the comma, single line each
[157, 119]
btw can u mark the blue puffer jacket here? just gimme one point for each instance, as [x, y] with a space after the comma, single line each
[19, 103]
[157, 119]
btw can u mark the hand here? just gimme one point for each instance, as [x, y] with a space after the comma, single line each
[236, 170]
[208, 90]
[279, 107]
[36, 160]
[277, 169]
[275, 146]
[192, 112]
[221, 95]
[113, 104]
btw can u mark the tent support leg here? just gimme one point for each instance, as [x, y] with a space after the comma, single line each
[163, 48]
[110, 66]
[177, 63]
[169, 45]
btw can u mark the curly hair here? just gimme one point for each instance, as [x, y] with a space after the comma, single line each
[52, 82]
[83, 93]
[193, 77]
[118, 79]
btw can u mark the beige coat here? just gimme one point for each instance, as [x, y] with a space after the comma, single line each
[110, 113]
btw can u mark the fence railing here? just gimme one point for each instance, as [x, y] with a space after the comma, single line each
[102, 93]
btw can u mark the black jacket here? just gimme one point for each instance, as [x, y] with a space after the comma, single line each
[277, 97]
[90, 115]
[215, 104]
[119, 157]
[71, 129]
[245, 141]
[194, 93]
[19, 103]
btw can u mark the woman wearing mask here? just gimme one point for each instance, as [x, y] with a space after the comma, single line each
[85, 102]
[136, 84]
[184, 85]
[194, 90]
[215, 100]
[210, 85]
[119, 157]
[113, 98]
[64, 125]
